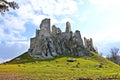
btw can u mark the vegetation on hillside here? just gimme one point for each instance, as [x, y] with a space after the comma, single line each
[87, 68]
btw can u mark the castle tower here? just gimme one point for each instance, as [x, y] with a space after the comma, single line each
[54, 30]
[78, 37]
[89, 44]
[68, 27]
[45, 24]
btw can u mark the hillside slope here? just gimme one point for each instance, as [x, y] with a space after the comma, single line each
[60, 68]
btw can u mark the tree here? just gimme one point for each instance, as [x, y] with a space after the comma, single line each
[114, 55]
[5, 5]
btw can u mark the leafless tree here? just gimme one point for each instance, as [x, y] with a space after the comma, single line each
[114, 55]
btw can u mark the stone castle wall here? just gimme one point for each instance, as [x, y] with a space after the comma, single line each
[48, 44]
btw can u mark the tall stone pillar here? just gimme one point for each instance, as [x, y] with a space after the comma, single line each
[78, 37]
[68, 27]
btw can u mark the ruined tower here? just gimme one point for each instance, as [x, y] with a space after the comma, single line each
[68, 27]
[45, 24]
[89, 44]
[48, 44]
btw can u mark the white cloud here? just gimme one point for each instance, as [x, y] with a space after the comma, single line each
[17, 43]
[81, 2]
[36, 10]
[106, 35]
[13, 24]
[107, 3]
[103, 5]
[33, 11]
[84, 16]
[53, 7]
[106, 24]
[108, 18]
[14, 27]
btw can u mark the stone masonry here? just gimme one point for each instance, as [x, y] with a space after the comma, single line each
[48, 44]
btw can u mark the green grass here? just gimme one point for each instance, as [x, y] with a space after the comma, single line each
[28, 68]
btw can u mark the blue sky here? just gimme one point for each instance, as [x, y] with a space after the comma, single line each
[98, 19]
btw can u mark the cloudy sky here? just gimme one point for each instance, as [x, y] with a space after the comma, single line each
[98, 19]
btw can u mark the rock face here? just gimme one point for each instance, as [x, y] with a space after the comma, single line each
[89, 44]
[45, 25]
[47, 44]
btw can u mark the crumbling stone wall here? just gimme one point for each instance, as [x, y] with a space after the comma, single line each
[48, 44]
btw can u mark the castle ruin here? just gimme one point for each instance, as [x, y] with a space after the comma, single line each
[48, 44]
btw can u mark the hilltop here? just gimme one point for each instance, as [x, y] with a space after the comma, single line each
[87, 68]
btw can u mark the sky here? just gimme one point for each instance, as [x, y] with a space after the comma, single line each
[97, 19]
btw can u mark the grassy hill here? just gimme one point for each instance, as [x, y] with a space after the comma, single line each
[24, 67]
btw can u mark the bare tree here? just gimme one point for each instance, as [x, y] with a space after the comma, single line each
[5, 5]
[114, 55]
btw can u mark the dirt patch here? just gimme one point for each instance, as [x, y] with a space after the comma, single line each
[4, 76]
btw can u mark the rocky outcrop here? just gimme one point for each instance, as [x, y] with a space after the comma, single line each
[47, 44]
[45, 25]
[55, 30]
[89, 44]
